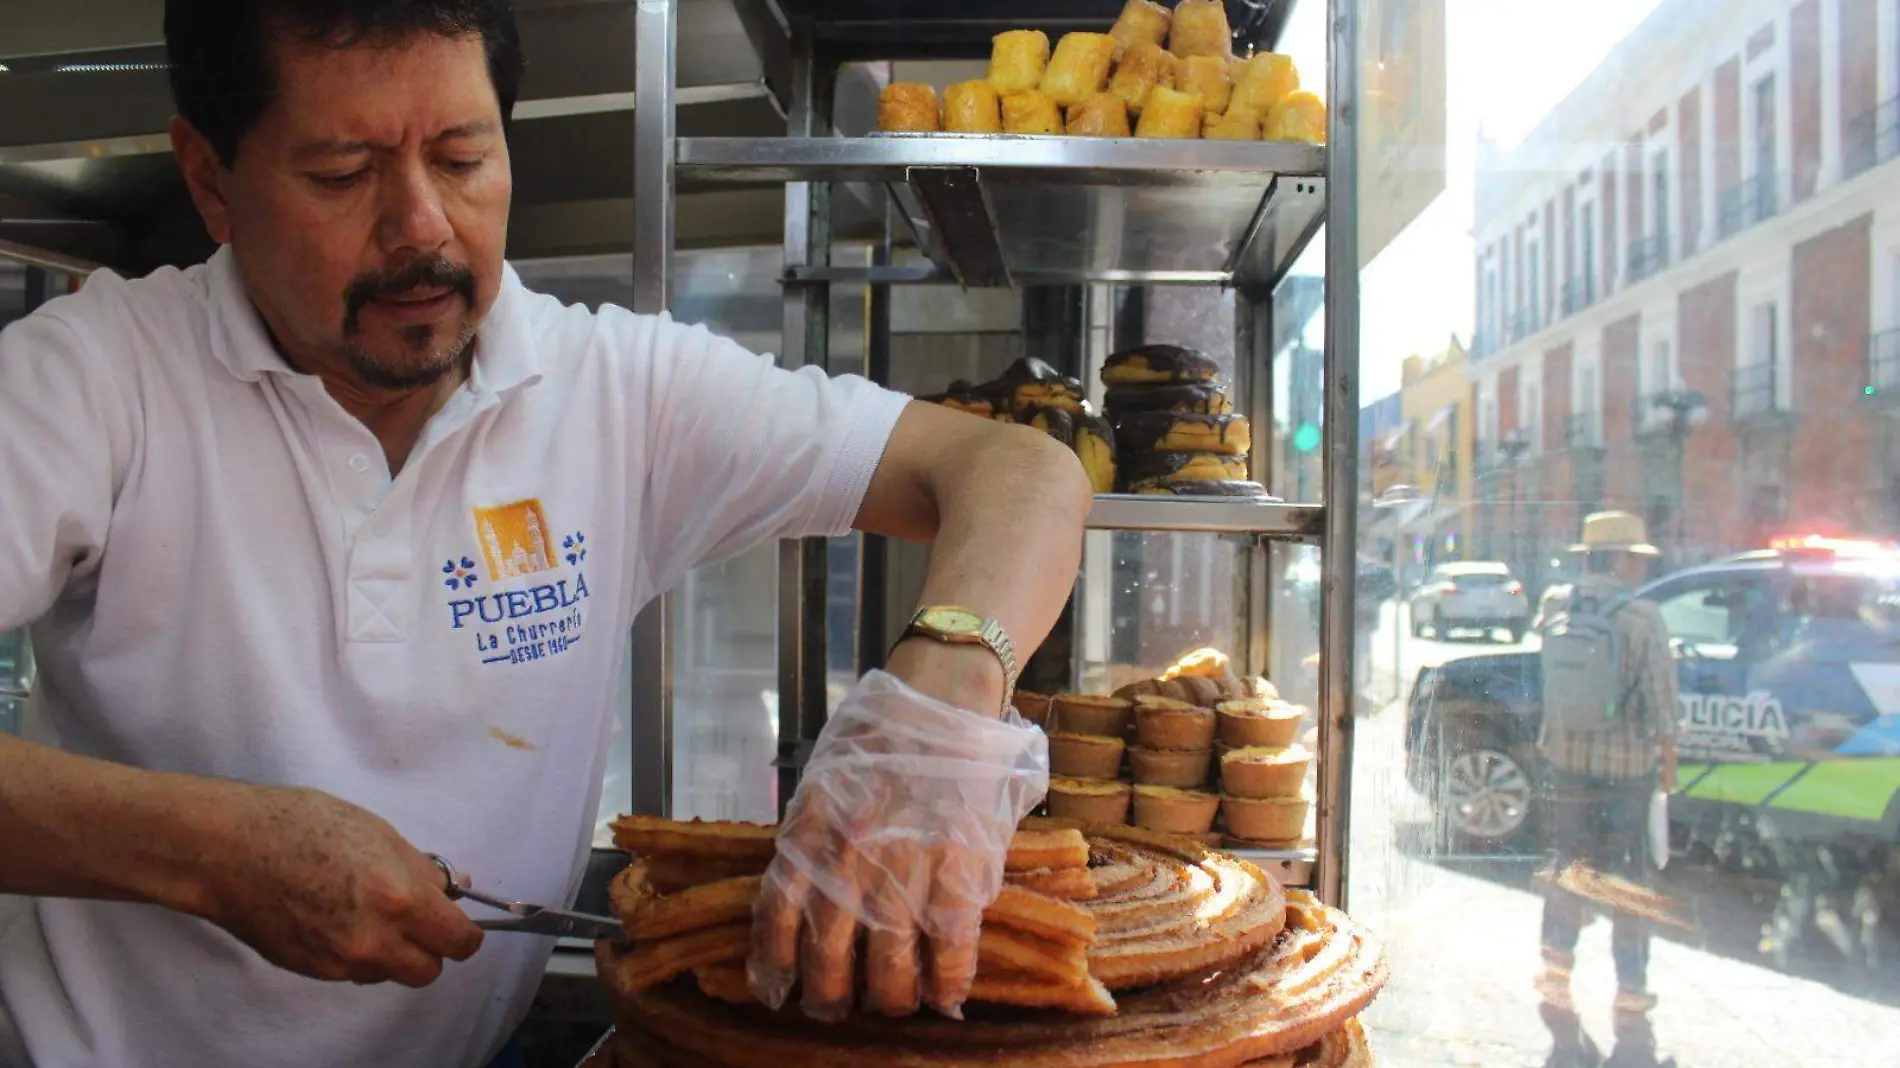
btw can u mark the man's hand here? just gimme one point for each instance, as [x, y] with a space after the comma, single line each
[321, 887]
[899, 832]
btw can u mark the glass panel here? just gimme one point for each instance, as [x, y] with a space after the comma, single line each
[1724, 349]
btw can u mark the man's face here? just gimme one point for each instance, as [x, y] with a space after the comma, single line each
[368, 207]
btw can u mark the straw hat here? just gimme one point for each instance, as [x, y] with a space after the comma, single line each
[1615, 532]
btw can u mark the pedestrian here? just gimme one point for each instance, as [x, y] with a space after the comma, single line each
[331, 546]
[1607, 742]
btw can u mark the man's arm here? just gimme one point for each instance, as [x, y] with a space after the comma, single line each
[1005, 507]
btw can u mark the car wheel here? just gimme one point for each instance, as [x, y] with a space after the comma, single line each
[1484, 794]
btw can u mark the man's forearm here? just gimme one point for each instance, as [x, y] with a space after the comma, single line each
[72, 826]
[1008, 544]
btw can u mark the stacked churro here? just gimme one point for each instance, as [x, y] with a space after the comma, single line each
[1210, 962]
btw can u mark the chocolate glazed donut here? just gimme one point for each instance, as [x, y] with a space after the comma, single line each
[1144, 432]
[1158, 365]
[1183, 467]
[1221, 488]
[1197, 398]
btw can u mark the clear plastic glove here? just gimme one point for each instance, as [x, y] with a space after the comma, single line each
[899, 829]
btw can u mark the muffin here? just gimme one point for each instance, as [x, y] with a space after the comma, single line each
[1263, 820]
[1033, 707]
[1089, 800]
[1184, 768]
[1165, 808]
[1085, 714]
[1085, 756]
[1258, 721]
[1259, 771]
[1164, 723]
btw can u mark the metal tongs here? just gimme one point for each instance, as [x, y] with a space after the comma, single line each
[526, 918]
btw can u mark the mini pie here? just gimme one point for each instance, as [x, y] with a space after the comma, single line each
[1183, 768]
[1260, 772]
[1091, 714]
[1089, 800]
[1158, 365]
[1085, 756]
[1142, 432]
[1176, 811]
[1174, 725]
[1258, 721]
[1270, 819]
[1033, 707]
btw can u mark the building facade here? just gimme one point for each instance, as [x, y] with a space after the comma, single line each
[1688, 281]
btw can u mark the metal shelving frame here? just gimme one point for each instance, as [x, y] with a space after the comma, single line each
[955, 188]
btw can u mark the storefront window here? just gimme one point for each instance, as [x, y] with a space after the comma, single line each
[1701, 198]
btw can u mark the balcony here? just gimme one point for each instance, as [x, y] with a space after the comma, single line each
[1580, 432]
[1754, 393]
[1748, 202]
[1883, 367]
[1872, 139]
[1578, 294]
[1649, 256]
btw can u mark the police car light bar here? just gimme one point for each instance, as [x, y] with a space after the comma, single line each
[1821, 545]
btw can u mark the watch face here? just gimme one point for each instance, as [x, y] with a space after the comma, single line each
[949, 620]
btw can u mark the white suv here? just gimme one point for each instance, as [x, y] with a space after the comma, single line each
[1479, 595]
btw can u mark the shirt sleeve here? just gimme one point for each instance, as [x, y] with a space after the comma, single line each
[67, 435]
[740, 452]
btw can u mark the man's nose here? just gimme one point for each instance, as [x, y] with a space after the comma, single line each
[413, 215]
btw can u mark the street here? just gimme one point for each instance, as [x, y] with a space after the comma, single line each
[1461, 933]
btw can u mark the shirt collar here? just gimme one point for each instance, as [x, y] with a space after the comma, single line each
[505, 352]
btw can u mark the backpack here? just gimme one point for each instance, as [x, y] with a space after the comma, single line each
[1582, 662]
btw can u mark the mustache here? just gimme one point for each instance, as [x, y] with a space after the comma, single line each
[441, 273]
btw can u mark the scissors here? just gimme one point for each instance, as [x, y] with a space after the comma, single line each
[529, 919]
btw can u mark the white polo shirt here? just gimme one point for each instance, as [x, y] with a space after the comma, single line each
[228, 582]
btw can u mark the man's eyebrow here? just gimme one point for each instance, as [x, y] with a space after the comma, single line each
[309, 150]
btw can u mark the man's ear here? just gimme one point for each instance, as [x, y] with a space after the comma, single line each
[205, 176]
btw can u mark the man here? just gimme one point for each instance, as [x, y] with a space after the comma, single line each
[1607, 739]
[330, 543]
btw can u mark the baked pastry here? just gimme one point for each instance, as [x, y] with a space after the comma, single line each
[963, 397]
[1090, 714]
[1017, 60]
[1079, 68]
[1032, 383]
[1209, 77]
[1089, 800]
[907, 107]
[1263, 81]
[1200, 29]
[1239, 124]
[1182, 768]
[1159, 467]
[1085, 756]
[1164, 723]
[1095, 446]
[1144, 68]
[1170, 113]
[1228, 435]
[1101, 115]
[1141, 22]
[1158, 365]
[1258, 721]
[1277, 820]
[1054, 422]
[1206, 660]
[1031, 112]
[1224, 488]
[1176, 811]
[972, 107]
[1201, 398]
[1033, 707]
[1298, 117]
[1257, 771]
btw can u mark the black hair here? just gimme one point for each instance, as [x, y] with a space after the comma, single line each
[219, 50]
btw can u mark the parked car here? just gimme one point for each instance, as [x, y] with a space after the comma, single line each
[1477, 595]
[1788, 723]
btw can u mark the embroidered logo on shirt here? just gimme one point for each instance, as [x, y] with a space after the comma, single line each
[515, 539]
[514, 622]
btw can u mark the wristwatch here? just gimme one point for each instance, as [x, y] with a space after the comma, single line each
[955, 625]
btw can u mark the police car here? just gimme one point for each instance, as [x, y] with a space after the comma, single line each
[1788, 711]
